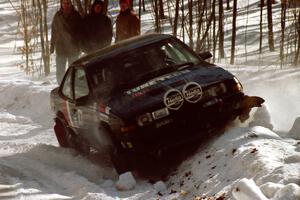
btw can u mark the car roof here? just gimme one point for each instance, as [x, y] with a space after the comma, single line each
[120, 47]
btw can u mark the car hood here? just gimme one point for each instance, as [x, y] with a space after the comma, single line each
[153, 94]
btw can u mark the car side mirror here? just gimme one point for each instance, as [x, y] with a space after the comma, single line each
[205, 55]
[81, 100]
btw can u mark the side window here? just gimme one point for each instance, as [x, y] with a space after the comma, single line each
[66, 90]
[81, 87]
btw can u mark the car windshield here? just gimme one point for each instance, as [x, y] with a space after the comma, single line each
[142, 64]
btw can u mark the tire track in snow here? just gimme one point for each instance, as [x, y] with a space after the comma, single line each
[52, 170]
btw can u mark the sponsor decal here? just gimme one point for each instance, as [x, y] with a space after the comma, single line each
[192, 92]
[173, 99]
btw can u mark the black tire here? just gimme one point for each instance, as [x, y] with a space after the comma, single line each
[82, 147]
[67, 139]
[61, 134]
[121, 162]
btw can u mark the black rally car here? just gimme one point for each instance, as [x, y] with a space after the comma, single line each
[143, 95]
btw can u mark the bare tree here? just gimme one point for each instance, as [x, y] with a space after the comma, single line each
[156, 15]
[228, 5]
[214, 38]
[234, 15]
[262, 2]
[221, 30]
[270, 25]
[283, 17]
[190, 4]
[176, 18]
[297, 54]
[201, 9]
[246, 30]
[161, 10]
[182, 20]
[43, 29]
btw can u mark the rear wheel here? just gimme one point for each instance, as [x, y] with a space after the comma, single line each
[66, 138]
[60, 132]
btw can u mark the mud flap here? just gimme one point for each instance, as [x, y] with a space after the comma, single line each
[247, 104]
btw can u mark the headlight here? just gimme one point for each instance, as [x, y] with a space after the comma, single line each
[238, 86]
[144, 119]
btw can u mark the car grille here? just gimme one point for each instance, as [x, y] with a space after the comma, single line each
[193, 118]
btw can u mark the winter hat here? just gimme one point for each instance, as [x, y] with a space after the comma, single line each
[97, 2]
[125, 1]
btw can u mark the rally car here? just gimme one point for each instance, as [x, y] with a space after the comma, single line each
[143, 95]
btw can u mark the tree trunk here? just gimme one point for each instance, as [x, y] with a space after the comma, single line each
[214, 29]
[234, 15]
[47, 44]
[261, 25]
[176, 18]
[246, 30]
[227, 4]
[182, 20]
[161, 10]
[296, 60]
[156, 13]
[204, 37]
[221, 30]
[201, 9]
[140, 9]
[270, 25]
[26, 35]
[283, 17]
[190, 3]
[43, 29]
[144, 7]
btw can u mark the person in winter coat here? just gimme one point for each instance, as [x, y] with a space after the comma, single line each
[98, 28]
[127, 23]
[65, 37]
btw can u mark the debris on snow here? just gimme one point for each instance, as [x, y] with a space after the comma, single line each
[126, 181]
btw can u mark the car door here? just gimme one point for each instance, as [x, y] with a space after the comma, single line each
[67, 96]
[84, 110]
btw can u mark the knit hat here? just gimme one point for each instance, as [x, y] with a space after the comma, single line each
[98, 2]
[125, 1]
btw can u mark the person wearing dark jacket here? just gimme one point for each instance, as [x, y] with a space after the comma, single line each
[127, 23]
[98, 28]
[65, 37]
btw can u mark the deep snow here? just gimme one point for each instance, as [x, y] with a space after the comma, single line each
[243, 163]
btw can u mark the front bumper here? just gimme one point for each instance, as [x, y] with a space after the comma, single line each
[191, 123]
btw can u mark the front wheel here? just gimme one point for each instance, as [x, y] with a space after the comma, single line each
[122, 162]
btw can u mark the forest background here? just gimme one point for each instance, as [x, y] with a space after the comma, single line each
[204, 25]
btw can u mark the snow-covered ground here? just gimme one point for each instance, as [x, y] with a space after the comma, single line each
[244, 163]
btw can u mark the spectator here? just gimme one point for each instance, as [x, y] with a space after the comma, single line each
[127, 24]
[98, 28]
[65, 37]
